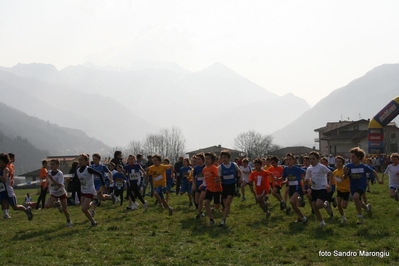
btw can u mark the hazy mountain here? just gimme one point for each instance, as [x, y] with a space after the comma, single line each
[27, 155]
[163, 94]
[362, 98]
[47, 136]
[98, 116]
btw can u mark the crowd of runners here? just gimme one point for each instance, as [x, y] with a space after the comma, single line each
[210, 181]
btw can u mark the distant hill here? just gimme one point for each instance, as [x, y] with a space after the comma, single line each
[361, 98]
[101, 117]
[27, 155]
[46, 136]
[146, 97]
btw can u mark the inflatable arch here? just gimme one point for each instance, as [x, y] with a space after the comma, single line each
[377, 124]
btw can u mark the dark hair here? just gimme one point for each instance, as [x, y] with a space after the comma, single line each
[258, 161]
[167, 160]
[11, 155]
[290, 155]
[117, 153]
[139, 156]
[56, 161]
[359, 153]
[5, 158]
[226, 153]
[274, 158]
[315, 153]
[97, 155]
[44, 162]
[85, 156]
[245, 160]
[158, 157]
[200, 155]
[212, 155]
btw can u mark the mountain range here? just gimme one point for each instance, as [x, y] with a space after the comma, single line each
[126, 105]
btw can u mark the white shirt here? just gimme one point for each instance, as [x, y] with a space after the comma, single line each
[86, 181]
[54, 189]
[393, 174]
[318, 175]
[246, 171]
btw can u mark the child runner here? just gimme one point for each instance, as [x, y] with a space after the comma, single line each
[343, 189]
[262, 185]
[319, 176]
[6, 190]
[186, 183]
[43, 185]
[277, 172]
[370, 178]
[58, 194]
[356, 171]
[169, 178]
[330, 195]
[198, 179]
[99, 167]
[119, 183]
[246, 171]
[229, 173]
[393, 174]
[212, 184]
[86, 176]
[295, 175]
[158, 173]
[134, 172]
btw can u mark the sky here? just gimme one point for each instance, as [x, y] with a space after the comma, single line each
[309, 48]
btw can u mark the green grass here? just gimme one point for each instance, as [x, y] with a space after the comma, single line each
[155, 238]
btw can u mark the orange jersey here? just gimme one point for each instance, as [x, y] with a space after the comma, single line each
[261, 180]
[11, 167]
[211, 175]
[43, 177]
[278, 173]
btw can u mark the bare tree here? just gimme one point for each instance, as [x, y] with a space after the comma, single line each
[254, 144]
[168, 142]
[133, 147]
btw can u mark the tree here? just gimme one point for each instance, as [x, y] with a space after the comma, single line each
[133, 147]
[168, 142]
[254, 144]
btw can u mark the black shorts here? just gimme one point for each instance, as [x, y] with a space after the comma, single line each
[213, 195]
[319, 194]
[293, 189]
[228, 190]
[343, 195]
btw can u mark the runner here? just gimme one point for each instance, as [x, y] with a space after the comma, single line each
[58, 194]
[229, 173]
[7, 194]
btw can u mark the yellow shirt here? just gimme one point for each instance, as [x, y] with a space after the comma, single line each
[342, 184]
[158, 174]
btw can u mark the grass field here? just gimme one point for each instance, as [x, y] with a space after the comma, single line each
[155, 238]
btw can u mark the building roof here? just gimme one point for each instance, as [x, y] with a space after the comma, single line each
[215, 149]
[66, 158]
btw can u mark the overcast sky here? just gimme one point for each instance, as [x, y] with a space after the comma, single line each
[306, 47]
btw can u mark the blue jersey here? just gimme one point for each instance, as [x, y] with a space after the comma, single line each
[101, 169]
[168, 173]
[358, 176]
[199, 177]
[185, 172]
[119, 180]
[228, 174]
[133, 173]
[293, 175]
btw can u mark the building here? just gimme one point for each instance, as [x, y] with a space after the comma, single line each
[338, 138]
[217, 149]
